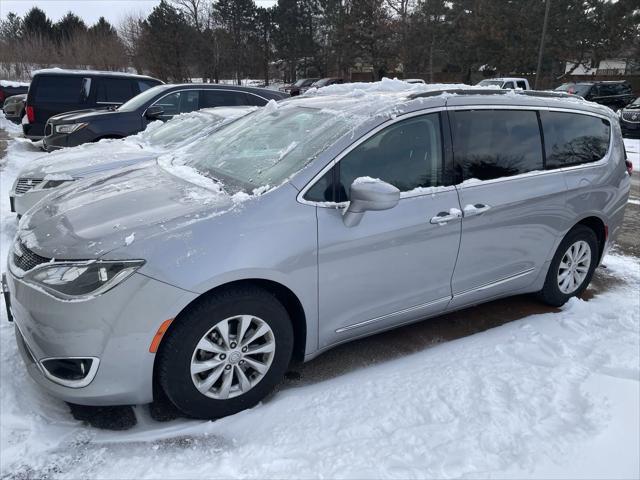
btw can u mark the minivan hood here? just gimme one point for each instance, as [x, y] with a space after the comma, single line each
[103, 213]
[94, 158]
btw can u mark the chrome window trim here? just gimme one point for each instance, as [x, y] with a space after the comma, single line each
[300, 197]
[535, 173]
[200, 89]
[393, 314]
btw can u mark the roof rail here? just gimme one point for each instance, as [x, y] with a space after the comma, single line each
[493, 91]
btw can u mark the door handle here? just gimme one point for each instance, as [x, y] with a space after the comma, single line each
[443, 217]
[477, 209]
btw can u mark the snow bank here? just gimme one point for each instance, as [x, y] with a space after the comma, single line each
[386, 85]
[632, 146]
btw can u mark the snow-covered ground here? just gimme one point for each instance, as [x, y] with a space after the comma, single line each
[554, 395]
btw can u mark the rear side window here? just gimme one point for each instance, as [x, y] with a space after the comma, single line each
[573, 139]
[145, 85]
[521, 85]
[59, 89]
[114, 90]
[220, 98]
[496, 143]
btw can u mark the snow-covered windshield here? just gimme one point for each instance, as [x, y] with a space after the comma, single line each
[489, 83]
[266, 147]
[139, 100]
[181, 128]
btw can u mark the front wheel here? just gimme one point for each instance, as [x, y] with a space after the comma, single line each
[572, 267]
[226, 354]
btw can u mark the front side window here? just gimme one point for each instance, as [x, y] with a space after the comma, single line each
[60, 89]
[490, 144]
[573, 139]
[508, 85]
[179, 102]
[407, 154]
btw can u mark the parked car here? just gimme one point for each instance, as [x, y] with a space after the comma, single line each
[58, 169]
[295, 229]
[294, 88]
[614, 94]
[9, 89]
[507, 83]
[414, 80]
[323, 82]
[630, 119]
[13, 107]
[158, 103]
[55, 91]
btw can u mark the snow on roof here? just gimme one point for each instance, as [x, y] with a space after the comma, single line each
[9, 83]
[67, 71]
[384, 86]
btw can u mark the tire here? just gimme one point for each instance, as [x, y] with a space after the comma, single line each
[557, 292]
[196, 340]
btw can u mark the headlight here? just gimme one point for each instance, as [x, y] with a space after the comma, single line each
[70, 128]
[81, 280]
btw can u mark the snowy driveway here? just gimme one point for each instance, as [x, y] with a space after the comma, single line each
[544, 393]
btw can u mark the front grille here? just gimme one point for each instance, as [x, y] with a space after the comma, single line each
[48, 130]
[26, 184]
[25, 259]
[631, 116]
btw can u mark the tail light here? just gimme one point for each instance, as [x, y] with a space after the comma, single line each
[31, 114]
[629, 166]
[1, 96]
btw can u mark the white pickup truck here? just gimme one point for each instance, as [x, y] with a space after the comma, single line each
[515, 83]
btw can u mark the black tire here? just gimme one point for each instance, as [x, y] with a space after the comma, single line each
[551, 293]
[177, 348]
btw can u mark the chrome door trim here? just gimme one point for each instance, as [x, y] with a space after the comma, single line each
[502, 281]
[394, 314]
[425, 191]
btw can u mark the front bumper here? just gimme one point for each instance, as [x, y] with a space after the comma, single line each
[116, 328]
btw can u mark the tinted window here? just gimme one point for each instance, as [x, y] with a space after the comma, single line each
[220, 98]
[407, 155]
[607, 90]
[572, 139]
[521, 85]
[496, 143]
[145, 85]
[508, 85]
[253, 100]
[59, 89]
[114, 90]
[179, 102]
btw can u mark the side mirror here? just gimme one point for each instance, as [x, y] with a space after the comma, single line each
[368, 194]
[153, 112]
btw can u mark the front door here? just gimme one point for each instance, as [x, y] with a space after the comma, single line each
[395, 265]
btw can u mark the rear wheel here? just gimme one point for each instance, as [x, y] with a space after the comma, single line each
[226, 354]
[572, 267]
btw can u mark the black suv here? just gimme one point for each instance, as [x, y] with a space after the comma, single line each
[613, 94]
[630, 119]
[158, 103]
[55, 91]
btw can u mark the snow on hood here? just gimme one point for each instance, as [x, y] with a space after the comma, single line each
[106, 212]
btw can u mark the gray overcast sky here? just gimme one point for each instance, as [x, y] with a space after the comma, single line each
[88, 10]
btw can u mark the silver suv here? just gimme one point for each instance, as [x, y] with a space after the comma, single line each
[305, 225]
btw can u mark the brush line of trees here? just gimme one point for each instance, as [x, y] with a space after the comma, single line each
[184, 39]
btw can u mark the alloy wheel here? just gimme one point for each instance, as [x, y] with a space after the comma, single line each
[574, 267]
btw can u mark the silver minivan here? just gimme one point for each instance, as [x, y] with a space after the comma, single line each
[304, 225]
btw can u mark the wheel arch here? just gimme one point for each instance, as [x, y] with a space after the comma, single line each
[283, 294]
[598, 226]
